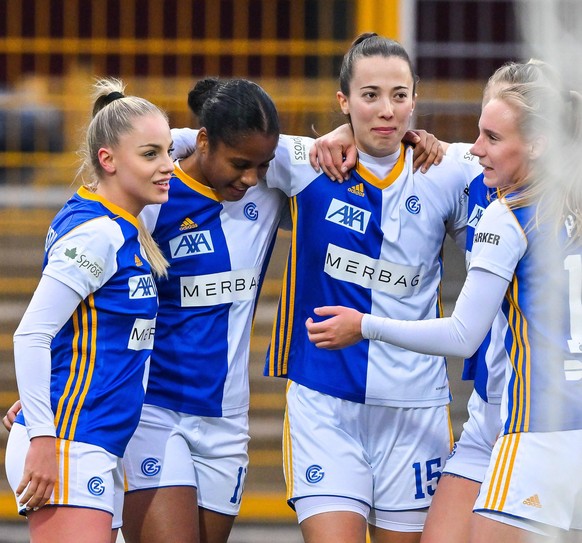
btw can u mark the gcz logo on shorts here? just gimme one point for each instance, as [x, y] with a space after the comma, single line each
[347, 215]
[314, 474]
[95, 486]
[150, 467]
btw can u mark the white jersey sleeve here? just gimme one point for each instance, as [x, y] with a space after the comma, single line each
[184, 142]
[457, 335]
[499, 242]
[85, 258]
[290, 170]
[51, 307]
[149, 216]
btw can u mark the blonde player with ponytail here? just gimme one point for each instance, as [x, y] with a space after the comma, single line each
[81, 347]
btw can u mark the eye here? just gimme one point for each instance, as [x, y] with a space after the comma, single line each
[170, 151]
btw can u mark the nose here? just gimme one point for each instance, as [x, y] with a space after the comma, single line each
[477, 148]
[387, 109]
[250, 177]
[168, 164]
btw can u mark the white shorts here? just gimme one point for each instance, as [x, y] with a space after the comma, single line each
[388, 458]
[535, 480]
[175, 449]
[88, 476]
[471, 455]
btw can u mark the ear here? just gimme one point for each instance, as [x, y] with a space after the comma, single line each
[343, 102]
[538, 147]
[105, 156]
[202, 144]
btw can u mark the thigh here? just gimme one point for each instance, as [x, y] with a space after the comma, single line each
[322, 447]
[450, 513]
[334, 527]
[161, 515]
[69, 525]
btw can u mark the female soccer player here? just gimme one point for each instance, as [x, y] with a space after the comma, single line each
[81, 348]
[367, 429]
[450, 513]
[187, 462]
[526, 258]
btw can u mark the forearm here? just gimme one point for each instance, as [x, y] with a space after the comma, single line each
[458, 335]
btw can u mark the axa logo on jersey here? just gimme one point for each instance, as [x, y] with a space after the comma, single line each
[191, 243]
[348, 215]
[476, 215]
[142, 286]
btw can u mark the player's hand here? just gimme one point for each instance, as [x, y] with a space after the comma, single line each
[335, 153]
[341, 329]
[40, 473]
[428, 150]
[10, 416]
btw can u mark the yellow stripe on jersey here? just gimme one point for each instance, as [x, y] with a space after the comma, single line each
[520, 357]
[196, 185]
[66, 471]
[281, 335]
[501, 478]
[390, 178]
[74, 358]
[287, 450]
[64, 417]
[56, 489]
[89, 377]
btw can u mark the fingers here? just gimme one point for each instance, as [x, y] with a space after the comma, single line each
[428, 151]
[34, 492]
[330, 159]
[313, 158]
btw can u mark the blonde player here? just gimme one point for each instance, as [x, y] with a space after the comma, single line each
[82, 345]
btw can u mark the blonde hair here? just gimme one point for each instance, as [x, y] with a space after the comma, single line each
[113, 115]
[555, 183]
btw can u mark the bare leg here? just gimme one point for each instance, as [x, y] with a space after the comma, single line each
[486, 530]
[69, 525]
[214, 527]
[379, 535]
[451, 511]
[334, 527]
[161, 515]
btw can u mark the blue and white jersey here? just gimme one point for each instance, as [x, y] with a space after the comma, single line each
[218, 253]
[543, 390]
[99, 357]
[487, 365]
[374, 245]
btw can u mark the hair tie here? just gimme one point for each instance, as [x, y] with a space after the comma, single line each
[112, 96]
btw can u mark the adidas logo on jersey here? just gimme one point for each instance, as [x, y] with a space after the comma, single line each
[533, 501]
[188, 224]
[358, 189]
[137, 260]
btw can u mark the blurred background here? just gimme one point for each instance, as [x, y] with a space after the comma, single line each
[50, 52]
